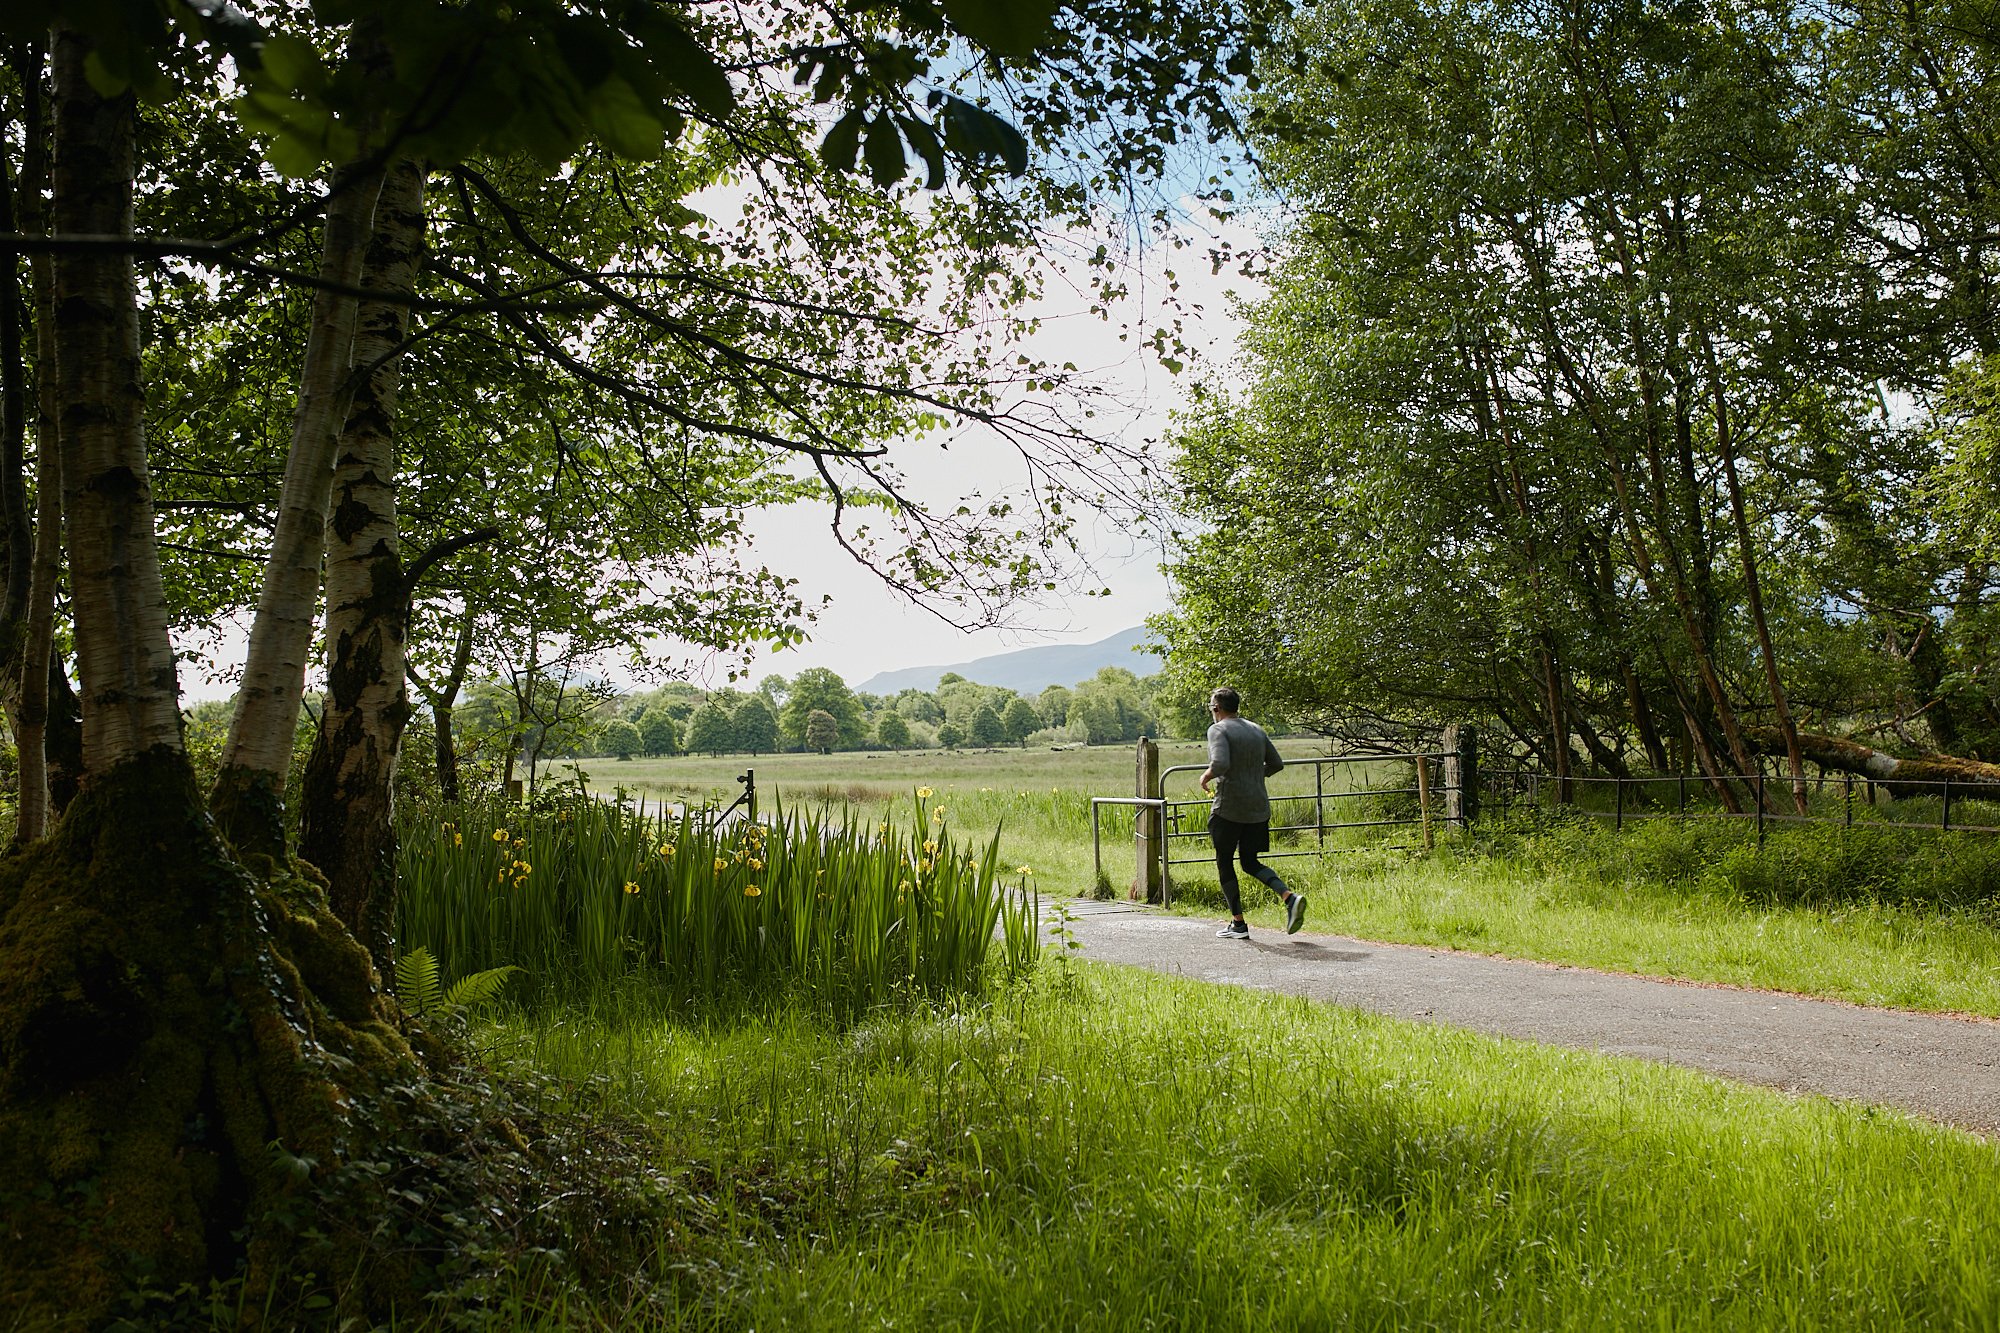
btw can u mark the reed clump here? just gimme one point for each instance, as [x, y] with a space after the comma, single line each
[850, 911]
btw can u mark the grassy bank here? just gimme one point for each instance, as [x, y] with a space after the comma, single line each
[1877, 917]
[1106, 1150]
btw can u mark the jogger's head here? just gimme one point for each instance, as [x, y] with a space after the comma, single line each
[1225, 700]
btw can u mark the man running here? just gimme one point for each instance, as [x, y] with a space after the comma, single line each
[1240, 757]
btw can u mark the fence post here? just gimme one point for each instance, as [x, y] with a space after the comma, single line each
[1097, 853]
[1319, 803]
[1461, 775]
[1847, 797]
[1424, 796]
[1149, 827]
[1618, 786]
[1682, 779]
[1945, 823]
[1760, 805]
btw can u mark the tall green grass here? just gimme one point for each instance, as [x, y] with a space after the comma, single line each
[1126, 1151]
[585, 895]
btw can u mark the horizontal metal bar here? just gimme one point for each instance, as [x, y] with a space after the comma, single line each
[1311, 851]
[1770, 817]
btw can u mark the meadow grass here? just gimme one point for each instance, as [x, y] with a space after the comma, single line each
[1106, 1149]
[1876, 915]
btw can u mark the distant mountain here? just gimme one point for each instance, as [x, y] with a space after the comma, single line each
[1028, 670]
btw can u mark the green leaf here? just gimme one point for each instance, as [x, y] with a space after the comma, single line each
[627, 127]
[842, 141]
[923, 139]
[417, 981]
[1004, 27]
[290, 62]
[478, 988]
[294, 156]
[586, 48]
[106, 78]
[977, 132]
[685, 62]
[884, 150]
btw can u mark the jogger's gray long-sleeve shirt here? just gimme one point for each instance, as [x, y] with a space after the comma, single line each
[1242, 756]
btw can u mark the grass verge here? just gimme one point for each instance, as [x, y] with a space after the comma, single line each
[1886, 918]
[1112, 1150]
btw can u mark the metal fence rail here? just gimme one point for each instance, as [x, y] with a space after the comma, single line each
[1432, 797]
[1686, 796]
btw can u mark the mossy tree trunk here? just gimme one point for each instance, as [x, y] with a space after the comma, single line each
[347, 824]
[189, 1052]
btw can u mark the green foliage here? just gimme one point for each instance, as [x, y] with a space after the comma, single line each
[657, 733]
[1020, 720]
[419, 987]
[817, 689]
[822, 731]
[711, 730]
[851, 911]
[1111, 707]
[949, 736]
[892, 731]
[755, 725]
[986, 727]
[1807, 866]
[1453, 489]
[620, 738]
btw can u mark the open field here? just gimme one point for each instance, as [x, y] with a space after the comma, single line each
[1697, 902]
[1112, 1150]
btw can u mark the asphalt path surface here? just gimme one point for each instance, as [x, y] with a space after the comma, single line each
[1941, 1066]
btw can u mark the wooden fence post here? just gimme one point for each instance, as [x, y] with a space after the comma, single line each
[1148, 823]
[1424, 796]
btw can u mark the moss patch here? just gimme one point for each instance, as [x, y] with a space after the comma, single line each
[183, 1048]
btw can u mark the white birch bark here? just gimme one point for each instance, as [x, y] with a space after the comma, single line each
[347, 827]
[259, 748]
[125, 658]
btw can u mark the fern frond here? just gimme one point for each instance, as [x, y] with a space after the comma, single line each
[417, 981]
[477, 988]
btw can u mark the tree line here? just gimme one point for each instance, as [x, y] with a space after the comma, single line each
[813, 711]
[1625, 382]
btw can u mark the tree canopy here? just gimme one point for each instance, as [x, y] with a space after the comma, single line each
[1597, 391]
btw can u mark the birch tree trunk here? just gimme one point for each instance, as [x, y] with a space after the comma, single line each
[443, 699]
[17, 536]
[130, 693]
[347, 825]
[170, 1024]
[49, 742]
[249, 794]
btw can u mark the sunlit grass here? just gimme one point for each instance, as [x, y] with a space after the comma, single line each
[1110, 1150]
[1874, 916]
[853, 909]
[1607, 907]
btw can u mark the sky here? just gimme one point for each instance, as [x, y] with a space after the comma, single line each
[866, 627]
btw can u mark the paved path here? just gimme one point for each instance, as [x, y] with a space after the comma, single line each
[1942, 1067]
